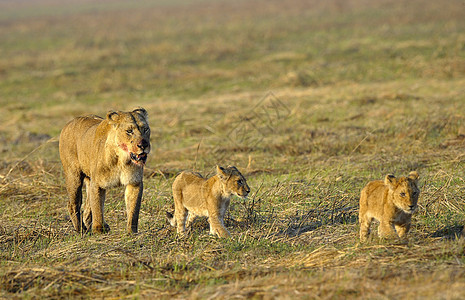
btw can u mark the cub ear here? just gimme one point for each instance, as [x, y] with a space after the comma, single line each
[413, 175]
[221, 173]
[390, 180]
[113, 117]
[232, 168]
[141, 111]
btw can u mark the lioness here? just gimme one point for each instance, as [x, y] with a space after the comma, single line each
[195, 195]
[104, 153]
[392, 202]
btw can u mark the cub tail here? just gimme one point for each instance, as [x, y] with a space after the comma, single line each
[171, 218]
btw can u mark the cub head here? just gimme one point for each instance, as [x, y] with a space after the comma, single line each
[131, 133]
[233, 181]
[404, 191]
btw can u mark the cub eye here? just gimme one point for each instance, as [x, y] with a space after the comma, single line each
[239, 182]
[129, 131]
[402, 194]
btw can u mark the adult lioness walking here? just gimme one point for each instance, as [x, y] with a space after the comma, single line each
[104, 153]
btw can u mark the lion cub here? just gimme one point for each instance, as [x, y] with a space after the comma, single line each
[195, 195]
[392, 202]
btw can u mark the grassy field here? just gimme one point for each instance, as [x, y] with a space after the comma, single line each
[309, 99]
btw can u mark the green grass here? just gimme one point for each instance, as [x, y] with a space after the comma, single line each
[309, 99]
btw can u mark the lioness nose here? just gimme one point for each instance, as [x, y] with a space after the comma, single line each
[143, 144]
[412, 206]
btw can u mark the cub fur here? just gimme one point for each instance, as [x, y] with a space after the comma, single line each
[392, 202]
[195, 196]
[104, 153]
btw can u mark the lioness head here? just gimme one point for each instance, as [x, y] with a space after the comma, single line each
[404, 191]
[233, 181]
[131, 133]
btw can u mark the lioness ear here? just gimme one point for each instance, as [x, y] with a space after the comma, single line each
[413, 175]
[390, 180]
[142, 111]
[221, 173]
[113, 117]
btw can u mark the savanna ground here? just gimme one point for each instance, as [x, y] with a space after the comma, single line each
[309, 99]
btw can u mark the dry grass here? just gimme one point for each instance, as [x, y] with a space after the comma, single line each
[309, 99]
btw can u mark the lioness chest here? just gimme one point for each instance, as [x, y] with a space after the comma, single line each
[121, 175]
[101, 162]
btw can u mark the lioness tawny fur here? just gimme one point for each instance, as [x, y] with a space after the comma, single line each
[103, 153]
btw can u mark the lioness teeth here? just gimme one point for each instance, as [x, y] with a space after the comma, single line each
[138, 157]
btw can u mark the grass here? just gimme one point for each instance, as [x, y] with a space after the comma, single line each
[309, 99]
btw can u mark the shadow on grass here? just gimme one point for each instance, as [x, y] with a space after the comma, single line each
[315, 218]
[451, 232]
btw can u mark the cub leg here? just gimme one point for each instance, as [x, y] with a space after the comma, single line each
[133, 198]
[180, 215]
[74, 183]
[402, 230]
[96, 202]
[365, 223]
[180, 212]
[190, 218]
[385, 229]
[217, 227]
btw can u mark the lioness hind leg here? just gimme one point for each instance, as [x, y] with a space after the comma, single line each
[87, 216]
[74, 183]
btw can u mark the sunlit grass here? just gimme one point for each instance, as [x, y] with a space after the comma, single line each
[309, 99]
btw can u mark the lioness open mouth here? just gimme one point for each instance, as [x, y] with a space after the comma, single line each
[138, 158]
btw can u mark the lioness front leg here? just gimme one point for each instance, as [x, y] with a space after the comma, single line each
[96, 199]
[133, 198]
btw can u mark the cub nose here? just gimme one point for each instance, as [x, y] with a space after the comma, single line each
[143, 144]
[412, 207]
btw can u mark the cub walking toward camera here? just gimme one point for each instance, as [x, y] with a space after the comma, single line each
[392, 202]
[195, 196]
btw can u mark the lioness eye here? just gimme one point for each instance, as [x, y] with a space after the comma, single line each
[239, 181]
[402, 194]
[129, 131]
